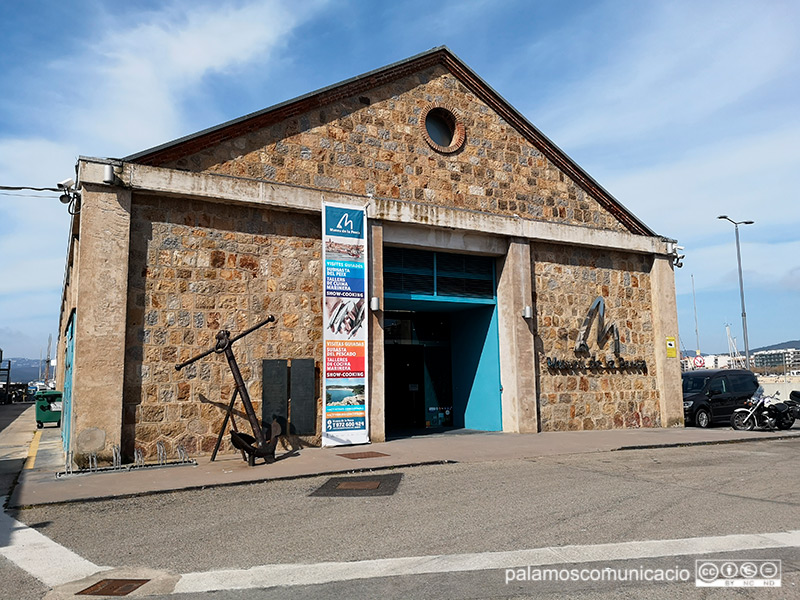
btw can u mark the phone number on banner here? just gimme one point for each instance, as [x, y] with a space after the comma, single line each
[344, 424]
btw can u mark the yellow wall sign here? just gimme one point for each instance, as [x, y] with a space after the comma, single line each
[672, 348]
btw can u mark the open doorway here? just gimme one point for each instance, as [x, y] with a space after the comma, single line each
[441, 370]
[441, 347]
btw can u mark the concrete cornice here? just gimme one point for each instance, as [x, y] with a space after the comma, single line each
[227, 189]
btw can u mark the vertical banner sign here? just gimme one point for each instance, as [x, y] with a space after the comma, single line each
[344, 254]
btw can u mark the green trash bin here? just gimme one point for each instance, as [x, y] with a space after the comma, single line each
[48, 408]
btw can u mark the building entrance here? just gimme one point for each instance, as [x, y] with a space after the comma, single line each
[441, 352]
[418, 380]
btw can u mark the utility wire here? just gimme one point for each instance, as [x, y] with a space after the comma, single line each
[25, 195]
[25, 187]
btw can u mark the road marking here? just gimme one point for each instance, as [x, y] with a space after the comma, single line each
[54, 565]
[32, 450]
[49, 562]
[327, 572]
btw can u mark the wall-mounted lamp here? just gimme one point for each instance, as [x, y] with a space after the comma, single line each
[374, 304]
[527, 312]
[111, 174]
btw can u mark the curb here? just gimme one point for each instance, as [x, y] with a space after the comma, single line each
[366, 469]
[209, 486]
[789, 436]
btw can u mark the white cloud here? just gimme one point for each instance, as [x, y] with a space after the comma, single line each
[746, 178]
[688, 61]
[749, 179]
[35, 317]
[693, 115]
[120, 89]
[33, 230]
[769, 265]
[136, 79]
[35, 161]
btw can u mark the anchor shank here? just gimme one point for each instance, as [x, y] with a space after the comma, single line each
[242, 388]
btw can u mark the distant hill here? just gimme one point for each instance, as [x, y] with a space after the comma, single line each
[24, 370]
[781, 346]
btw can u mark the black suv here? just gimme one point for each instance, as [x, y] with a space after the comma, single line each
[711, 395]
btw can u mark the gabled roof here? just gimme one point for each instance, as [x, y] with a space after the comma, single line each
[442, 55]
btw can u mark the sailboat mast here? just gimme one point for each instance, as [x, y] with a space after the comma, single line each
[47, 364]
[696, 329]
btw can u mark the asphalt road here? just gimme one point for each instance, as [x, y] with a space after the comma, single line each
[580, 500]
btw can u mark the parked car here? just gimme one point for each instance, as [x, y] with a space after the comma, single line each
[711, 395]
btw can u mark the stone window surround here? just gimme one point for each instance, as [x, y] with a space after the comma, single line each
[459, 133]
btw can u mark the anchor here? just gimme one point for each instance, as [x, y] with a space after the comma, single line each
[260, 444]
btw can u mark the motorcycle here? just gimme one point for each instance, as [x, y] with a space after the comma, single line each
[794, 403]
[763, 412]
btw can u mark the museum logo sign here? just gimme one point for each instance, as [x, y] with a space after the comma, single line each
[584, 359]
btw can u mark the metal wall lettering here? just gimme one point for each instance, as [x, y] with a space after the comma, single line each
[598, 308]
[590, 363]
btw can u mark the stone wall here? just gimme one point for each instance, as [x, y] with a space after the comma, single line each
[196, 268]
[567, 280]
[374, 144]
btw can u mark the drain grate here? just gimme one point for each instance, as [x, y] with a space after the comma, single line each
[357, 455]
[113, 587]
[367, 485]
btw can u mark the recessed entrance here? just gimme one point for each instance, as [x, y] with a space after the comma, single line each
[441, 350]
[418, 371]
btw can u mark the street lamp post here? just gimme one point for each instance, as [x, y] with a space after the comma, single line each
[741, 284]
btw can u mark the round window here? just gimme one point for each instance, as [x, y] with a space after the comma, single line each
[442, 129]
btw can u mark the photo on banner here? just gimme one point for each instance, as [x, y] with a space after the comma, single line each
[344, 254]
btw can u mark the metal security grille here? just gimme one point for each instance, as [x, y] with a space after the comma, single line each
[426, 273]
[408, 271]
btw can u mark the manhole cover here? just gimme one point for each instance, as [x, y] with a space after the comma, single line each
[367, 485]
[113, 587]
[357, 455]
[371, 484]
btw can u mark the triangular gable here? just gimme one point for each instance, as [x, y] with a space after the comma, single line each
[442, 56]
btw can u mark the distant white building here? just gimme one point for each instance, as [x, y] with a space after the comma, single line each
[711, 361]
[787, 359]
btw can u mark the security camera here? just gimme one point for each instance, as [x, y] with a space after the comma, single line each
[66, 184]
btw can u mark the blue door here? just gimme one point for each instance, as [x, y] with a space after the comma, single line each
[476, 370]
[66, 399]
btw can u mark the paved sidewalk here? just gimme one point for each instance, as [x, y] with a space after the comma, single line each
[17, 429]
[38, 484]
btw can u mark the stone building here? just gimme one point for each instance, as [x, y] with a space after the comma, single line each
[509, 290]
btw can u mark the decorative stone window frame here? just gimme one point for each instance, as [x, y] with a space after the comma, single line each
[450, 113]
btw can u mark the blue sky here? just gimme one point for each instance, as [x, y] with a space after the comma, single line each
[682, 110]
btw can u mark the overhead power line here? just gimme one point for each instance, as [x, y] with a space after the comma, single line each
[27, 187]
[25, 195]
